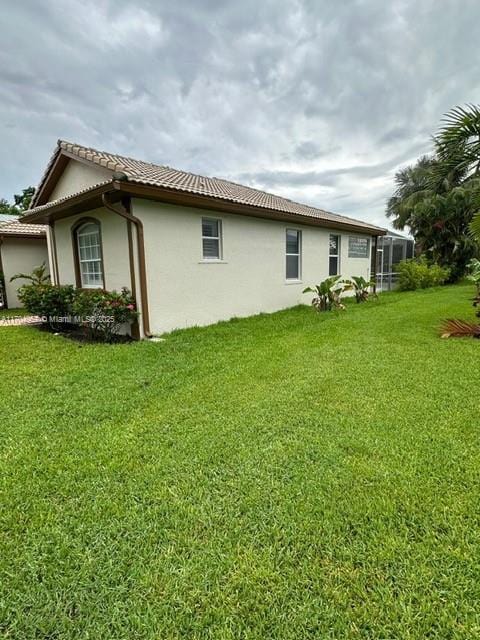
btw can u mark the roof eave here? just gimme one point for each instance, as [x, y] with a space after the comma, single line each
[175, 196]
[28, 236]
[92, 199]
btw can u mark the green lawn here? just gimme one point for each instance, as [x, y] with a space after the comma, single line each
[282, 477]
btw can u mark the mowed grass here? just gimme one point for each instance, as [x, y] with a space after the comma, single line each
[286, 476]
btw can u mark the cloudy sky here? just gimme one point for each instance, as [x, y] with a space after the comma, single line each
[317, 100]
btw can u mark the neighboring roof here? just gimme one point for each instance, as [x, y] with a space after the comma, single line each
[6, 217]
[163, 177]
[18, 228]
[395, 234]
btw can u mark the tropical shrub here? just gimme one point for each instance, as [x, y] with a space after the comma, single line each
[417, 274]
[102, 313]
[438, 197]
[327, 294]
[474, 273]
[361, 287]
[47, 300]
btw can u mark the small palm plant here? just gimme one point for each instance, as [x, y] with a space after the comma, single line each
[38, 276]
[327, 293]
[361, 288]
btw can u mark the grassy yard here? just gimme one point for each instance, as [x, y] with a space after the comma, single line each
[282, 477]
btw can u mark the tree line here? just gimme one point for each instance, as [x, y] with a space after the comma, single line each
[438, 197]
[21, 202]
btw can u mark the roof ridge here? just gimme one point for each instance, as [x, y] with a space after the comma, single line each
[204, 177]
[164, 176]
[109, 153]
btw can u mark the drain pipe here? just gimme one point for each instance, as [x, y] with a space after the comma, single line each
[142, 271]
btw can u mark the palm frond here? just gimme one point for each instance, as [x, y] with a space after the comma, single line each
[457, 144]
[475, 226]
[460, 329]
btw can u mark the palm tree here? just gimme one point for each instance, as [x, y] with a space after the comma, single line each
[38, 276]
[412, 185]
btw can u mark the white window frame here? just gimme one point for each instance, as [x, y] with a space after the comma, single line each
[82, 261]
[334, 255]
[219, 237]
[298, 255]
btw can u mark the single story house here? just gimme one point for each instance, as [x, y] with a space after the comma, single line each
[22, 248]
[193, 250]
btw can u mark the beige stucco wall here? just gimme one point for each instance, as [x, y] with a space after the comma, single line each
[185, 291]
[114, 244]
[21, 255]
[77, 176]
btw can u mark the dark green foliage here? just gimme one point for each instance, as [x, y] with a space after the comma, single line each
[47, 300]
[439, 196]
[418, 274]
[21, 202]
[411, 185]
[7, 208]
[100, 313]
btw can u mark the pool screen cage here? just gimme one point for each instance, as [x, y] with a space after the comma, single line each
[392, 249]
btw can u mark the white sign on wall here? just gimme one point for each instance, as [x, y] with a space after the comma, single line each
[358, 247]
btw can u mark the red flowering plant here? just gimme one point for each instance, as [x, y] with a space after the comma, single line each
[103, 313]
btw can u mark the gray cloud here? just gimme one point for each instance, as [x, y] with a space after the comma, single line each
[318, 101]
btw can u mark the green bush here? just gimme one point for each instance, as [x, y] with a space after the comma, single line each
[47, 300]
[102, 313]
[418, 274]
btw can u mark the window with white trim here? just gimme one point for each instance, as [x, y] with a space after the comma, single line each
[90, 255]
[212, 238]
[293, 252]
[333, 255]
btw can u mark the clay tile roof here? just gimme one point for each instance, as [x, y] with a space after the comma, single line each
[165, 177]
[18, 228]
[5, 217]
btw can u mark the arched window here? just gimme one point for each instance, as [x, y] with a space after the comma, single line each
[88, 244]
